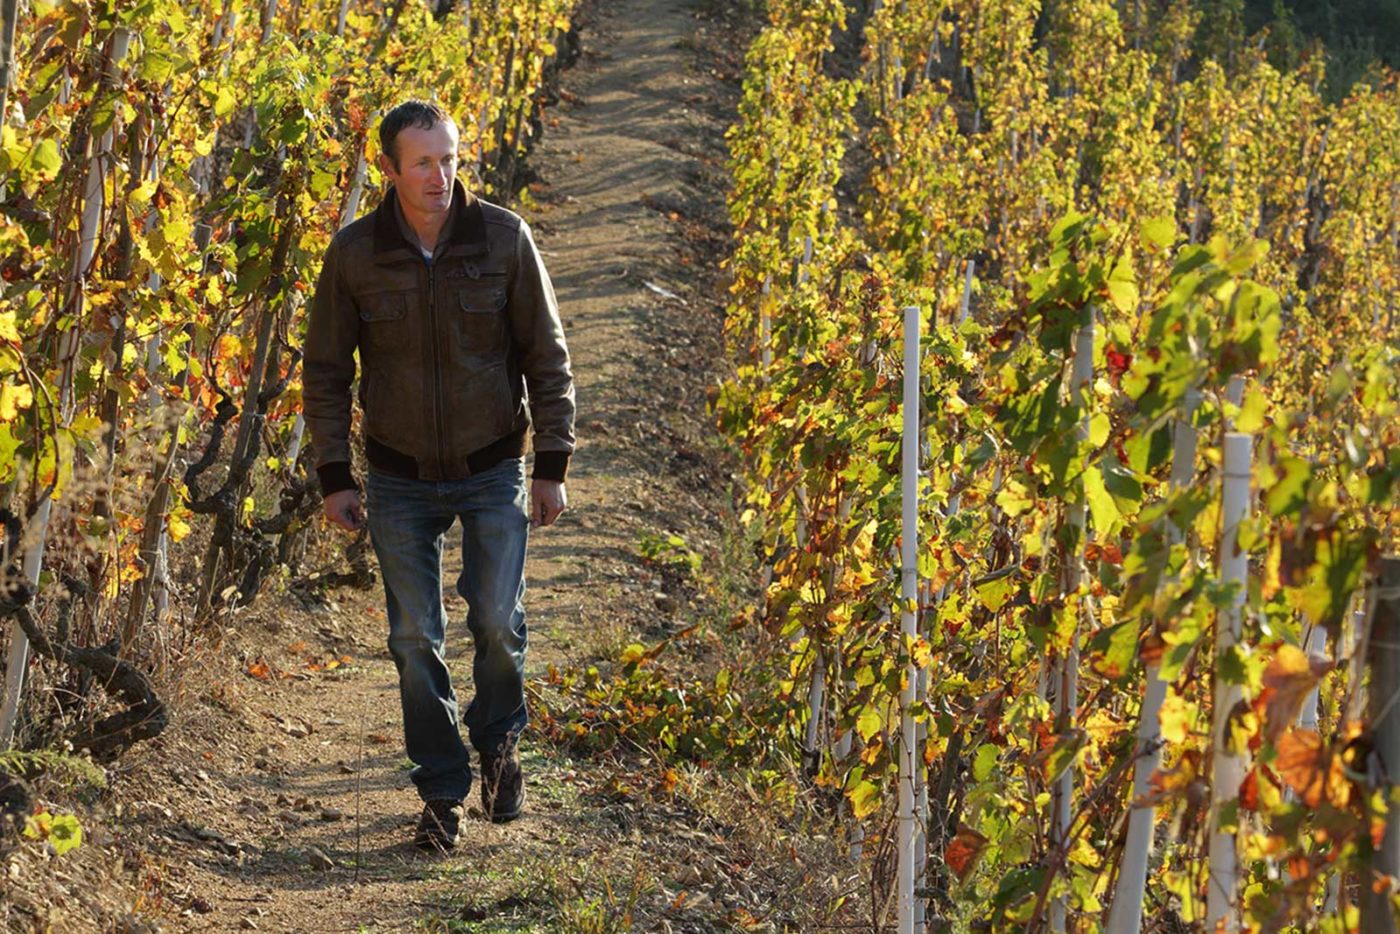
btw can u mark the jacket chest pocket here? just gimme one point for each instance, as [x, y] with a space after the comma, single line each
[479, 316]
[383, 321]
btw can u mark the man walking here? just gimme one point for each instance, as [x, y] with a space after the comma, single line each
[461, 349]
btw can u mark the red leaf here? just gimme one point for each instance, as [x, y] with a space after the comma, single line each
[962, 852]
[1118, 362]
[1249, 791]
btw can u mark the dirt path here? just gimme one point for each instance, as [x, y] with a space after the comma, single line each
[294, 759]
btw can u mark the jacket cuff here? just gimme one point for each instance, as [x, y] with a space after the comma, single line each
[335, 477]
[551, 465]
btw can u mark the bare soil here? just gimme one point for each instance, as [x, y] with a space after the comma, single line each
[279, 798]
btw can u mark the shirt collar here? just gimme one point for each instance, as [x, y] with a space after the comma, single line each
[465, 227]
[411, 235]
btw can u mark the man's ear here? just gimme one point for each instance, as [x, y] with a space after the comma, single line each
[386, 165]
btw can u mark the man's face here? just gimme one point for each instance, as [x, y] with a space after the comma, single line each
[427, 166]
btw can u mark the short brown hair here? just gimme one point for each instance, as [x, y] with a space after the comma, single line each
[423, 114]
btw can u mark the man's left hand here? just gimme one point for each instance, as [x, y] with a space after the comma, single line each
[547, 502]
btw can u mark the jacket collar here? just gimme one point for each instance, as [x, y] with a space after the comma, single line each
[467, 233]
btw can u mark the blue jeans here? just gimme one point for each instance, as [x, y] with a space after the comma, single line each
[407, 522]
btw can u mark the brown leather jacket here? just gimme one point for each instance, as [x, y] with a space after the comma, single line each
[447, 350]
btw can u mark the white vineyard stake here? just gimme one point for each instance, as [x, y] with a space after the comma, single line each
[908, 759]
[36, 529]
[1316, 647]
[1066, 675]
[1229, 765]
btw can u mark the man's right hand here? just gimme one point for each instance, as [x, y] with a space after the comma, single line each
[343, 508]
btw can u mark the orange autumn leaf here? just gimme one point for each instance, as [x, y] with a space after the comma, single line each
[1172, 782]
[1249, 791]
[1044, 735]
[1152, 648]
[260, 670]
[1308, 766]
[1110, 553]
[1301, 763]
[1287, 681]
[962, 851]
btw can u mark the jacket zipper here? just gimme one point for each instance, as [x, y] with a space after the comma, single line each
[437, 370]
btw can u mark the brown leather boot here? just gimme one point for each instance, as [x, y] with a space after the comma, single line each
[502, 788]
[439, 825]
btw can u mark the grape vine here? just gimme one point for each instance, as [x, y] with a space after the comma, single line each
[1116, 242]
